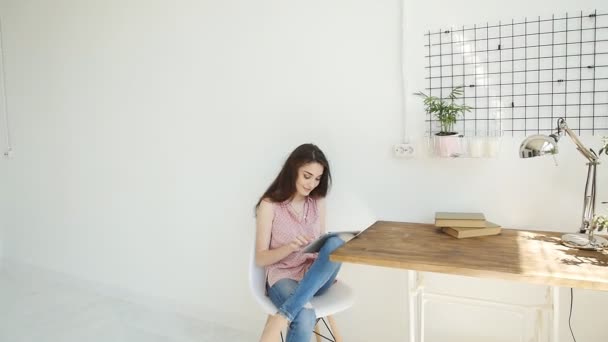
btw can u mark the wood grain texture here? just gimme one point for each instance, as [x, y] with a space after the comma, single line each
[529, 256]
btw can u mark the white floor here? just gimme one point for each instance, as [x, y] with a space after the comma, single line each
[52, 311]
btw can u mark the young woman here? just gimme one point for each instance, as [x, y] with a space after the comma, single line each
[291, 214]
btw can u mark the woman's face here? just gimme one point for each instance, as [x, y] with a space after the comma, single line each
[309, 176]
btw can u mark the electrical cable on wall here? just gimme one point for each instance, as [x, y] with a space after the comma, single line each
[570, 315]
[402, 81]
[405, 148]
[9, 148]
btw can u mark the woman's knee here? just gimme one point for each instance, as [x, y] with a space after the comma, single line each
[304, 321]
[333, 243]
[281, 290]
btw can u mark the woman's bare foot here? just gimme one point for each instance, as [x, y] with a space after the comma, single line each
[274, 325]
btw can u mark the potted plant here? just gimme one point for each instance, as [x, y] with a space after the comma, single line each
[446, 112]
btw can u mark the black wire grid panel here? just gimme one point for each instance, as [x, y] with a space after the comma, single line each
[520, 76]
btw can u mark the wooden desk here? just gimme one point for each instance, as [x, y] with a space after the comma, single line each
[530, 256]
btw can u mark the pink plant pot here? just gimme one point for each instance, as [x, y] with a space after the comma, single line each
[448, 146]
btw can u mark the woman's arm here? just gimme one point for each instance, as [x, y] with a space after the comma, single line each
[265, 256]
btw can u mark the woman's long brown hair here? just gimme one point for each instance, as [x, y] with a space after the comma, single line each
[284, 186]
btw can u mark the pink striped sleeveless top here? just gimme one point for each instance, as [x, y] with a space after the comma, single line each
[285, 227]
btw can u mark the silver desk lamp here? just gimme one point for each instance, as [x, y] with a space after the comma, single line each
[540, 145]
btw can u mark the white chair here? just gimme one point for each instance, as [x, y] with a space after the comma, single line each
[338, 298]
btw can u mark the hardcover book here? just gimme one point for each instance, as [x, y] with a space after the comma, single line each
[449, 219]
[466, 232]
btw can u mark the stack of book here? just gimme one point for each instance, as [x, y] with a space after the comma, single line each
[464, 225]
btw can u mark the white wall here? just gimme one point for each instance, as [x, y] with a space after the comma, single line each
[3, 205]
[144, 131]
[3, 213]
[4, 142]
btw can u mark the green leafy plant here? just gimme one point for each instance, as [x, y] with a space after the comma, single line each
[444, 109]
[604, 148]
[600, 222]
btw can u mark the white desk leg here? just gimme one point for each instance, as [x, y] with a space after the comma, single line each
[555, 313]
[412, 299]
[414, 288]
[416, 294]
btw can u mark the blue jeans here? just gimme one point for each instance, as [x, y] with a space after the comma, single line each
[290, 296]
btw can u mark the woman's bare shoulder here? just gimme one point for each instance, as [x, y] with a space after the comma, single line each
[266, 206]
[321, 202]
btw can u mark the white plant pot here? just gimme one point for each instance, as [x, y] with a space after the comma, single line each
[447, 145]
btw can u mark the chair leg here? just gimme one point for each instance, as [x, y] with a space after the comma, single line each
[334, 328]
[317, 333]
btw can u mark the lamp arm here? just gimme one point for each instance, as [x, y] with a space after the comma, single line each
[579, 145]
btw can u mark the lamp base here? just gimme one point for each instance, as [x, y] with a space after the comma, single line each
[582, 241]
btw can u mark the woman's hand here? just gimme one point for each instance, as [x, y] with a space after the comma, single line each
[297, 243]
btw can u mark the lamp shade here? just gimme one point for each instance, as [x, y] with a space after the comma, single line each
[538, 145]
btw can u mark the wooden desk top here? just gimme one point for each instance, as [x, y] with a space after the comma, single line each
[530, 256]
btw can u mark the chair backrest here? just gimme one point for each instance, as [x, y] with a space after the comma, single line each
[257, 284]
